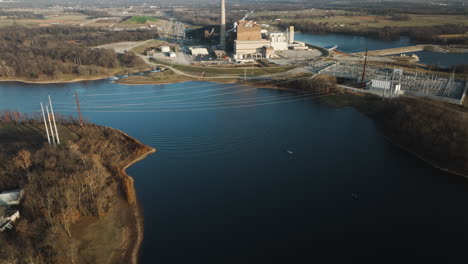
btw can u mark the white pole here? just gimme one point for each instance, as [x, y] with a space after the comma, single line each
[45, 123]
[55, 124]
[50, 125]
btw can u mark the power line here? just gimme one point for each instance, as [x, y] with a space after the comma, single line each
[174, 89]
[228, 102]
[201, 109]
[184, 99]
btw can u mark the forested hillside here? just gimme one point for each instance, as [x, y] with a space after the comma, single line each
[68, 190]
[51, 52]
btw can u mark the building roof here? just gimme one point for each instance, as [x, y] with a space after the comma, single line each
[248, 31]
[12, 197]
[199, 51]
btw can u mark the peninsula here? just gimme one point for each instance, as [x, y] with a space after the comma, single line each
[79, 205]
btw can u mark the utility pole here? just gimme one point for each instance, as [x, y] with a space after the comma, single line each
[45, 123]
[55, 124]
[364, 71]
[245, 74]
[386, 78]
[79, 109]
[50, 125]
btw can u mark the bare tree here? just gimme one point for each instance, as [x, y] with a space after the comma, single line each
[23, 160]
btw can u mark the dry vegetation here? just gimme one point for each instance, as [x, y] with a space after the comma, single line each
[79, 181]
[163, 77]
[57, 53]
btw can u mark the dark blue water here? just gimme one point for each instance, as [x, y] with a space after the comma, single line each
[445, 60]
[351, 44]
[222, 187]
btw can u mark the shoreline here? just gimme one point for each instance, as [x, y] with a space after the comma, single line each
[132, 252]
[420, 157]
[136, 210]
[95, 78]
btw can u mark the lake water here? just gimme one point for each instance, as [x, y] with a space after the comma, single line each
[351, 44]
[245, 175]
[445, 60]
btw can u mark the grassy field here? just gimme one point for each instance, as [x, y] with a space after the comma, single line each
[232, 71]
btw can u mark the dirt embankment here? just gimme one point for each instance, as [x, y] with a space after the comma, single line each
[135, 237]
[116, 237]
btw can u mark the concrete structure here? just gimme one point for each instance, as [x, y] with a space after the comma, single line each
[253, 49]
[248, 30]
[391, 51]
[7, 217]
[249, 43]
[220, 53]
[172, 55]
[252, 42]
[198, 51]
[9, 198]
[222, 35]
[382, 84]
[9, 214]
[278, 40]
[165, 49]
[269, 52]
[291, 35]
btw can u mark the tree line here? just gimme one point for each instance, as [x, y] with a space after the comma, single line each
[61, 184]
[20, 14]
[423, 34]
[55, 51]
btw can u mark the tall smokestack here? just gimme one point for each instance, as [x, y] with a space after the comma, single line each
[291, 35]
[222, 41]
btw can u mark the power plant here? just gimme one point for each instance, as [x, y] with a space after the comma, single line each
[222, 41]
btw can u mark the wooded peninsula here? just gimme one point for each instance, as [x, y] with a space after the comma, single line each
[78, 205]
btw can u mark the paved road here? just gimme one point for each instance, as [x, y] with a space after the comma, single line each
[124, 46]
[292, 71]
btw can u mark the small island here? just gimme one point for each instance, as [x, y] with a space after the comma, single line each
[78, 203]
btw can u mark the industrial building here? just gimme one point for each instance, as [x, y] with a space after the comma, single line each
[9, 200]
[249, 43]
[252, 42]
[198, 51]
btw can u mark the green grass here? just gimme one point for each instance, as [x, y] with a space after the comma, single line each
[234, 71]
[141, 19]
